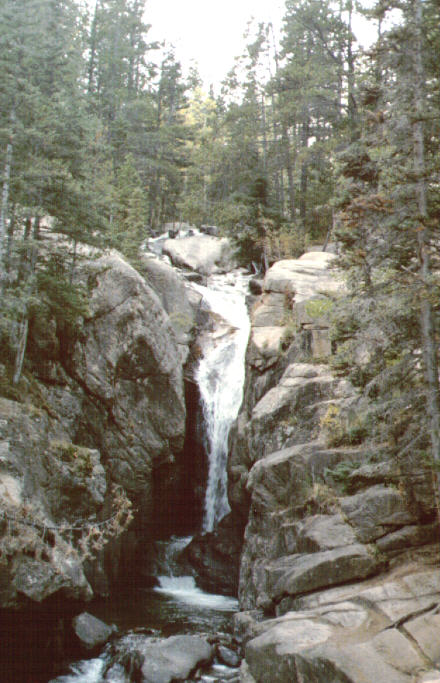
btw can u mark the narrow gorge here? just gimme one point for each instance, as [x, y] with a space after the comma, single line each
[201, 480]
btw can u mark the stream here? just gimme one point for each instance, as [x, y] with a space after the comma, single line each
[176, 605]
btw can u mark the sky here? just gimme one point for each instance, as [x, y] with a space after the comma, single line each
[208, 31]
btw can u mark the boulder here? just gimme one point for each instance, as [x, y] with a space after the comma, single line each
[304, 277]
[323, 532]
[38, 580]
[205, 254]
[90, 631]
[228, 656]
[265, 346]
[174, 658]
[161, 660]
[269, 311]
[43, 484]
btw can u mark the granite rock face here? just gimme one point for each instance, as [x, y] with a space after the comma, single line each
[44, 483]
[381, 630]
[107, 409]
[336, 579]
[128, 361]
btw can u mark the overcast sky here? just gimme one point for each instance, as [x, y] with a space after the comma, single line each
[208, 31]
[211, 31]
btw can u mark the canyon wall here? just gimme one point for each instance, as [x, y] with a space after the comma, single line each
[339, 569]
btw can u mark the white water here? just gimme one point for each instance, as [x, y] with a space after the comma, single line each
[184, 589]
[87, 671]
[220, 377]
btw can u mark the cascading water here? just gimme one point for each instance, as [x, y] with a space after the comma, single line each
[177, 604]
[220, 376]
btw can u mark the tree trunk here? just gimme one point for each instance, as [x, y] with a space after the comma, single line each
[289, 169]
[21, 348]
[4, 212]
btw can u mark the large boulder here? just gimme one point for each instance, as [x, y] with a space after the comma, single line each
[203, 253]
[304, 277]
[90, 631]
[291, 412]
[108, 409]
[158, 660]
[376, 511]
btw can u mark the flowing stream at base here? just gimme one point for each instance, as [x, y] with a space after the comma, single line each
[177, 605]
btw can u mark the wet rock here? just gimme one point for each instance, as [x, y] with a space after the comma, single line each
[256, 286]
[228, 656]
[162, 660]
[92, 632]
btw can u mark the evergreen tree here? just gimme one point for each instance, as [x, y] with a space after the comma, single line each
[386, 228]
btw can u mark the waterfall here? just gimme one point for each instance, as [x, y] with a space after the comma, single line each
[220, 376]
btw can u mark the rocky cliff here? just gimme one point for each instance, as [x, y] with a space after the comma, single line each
[338, 577]
[92, 443]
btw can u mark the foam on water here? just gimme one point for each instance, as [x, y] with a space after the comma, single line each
[184, 588]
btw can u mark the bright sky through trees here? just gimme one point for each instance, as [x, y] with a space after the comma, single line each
[211, 33]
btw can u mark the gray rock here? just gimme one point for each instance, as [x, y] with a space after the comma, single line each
[375, 473]
[351, 641]
[269, 311]
[376, 511]
[286, 406]
[172, 291]
[407, 537]
[326, 568]
[92, 632]
[245, 674]
[303, 277]
[128, 360]
[228, 656]
[324, 532]
[38, 579]
[173, 658]
[203, 253]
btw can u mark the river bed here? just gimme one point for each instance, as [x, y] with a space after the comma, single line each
[176, 606]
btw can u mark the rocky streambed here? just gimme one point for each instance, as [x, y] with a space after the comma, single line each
[188, 637]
